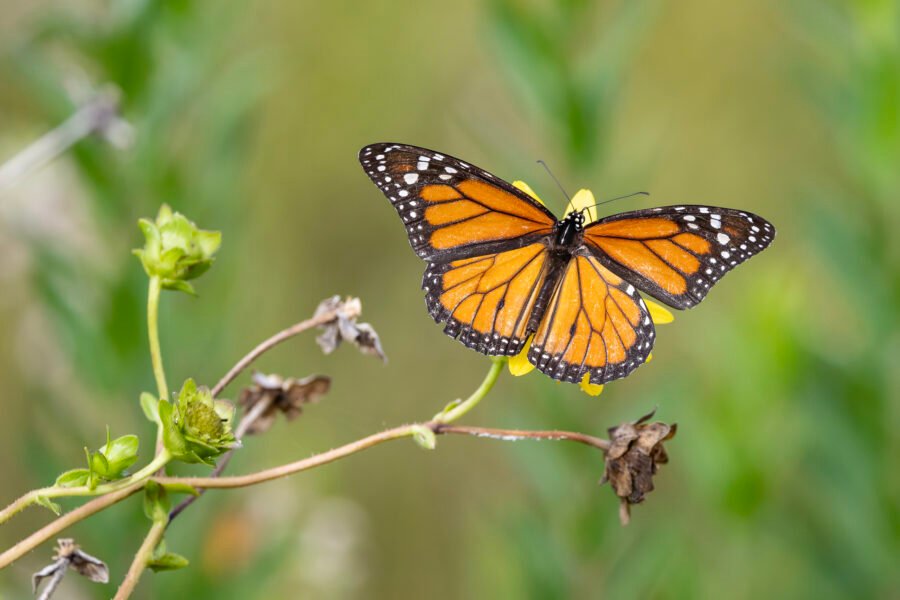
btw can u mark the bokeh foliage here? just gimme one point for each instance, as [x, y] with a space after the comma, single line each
[784, 478]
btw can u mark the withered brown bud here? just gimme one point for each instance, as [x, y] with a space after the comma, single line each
[274, 394]
[70, 555]
[345, 328]
[636, 449]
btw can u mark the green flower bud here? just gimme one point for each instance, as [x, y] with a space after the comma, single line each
[111, 460]
[197, 428]
[176, 250]
[109, 463]
[120, 454]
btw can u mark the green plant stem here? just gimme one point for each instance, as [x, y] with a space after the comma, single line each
[141, 558]
[454, 411]
[31, 497]
[153, 330]
[58, 525]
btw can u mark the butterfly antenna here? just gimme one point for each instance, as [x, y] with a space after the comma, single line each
[553, 177]
[618, 198]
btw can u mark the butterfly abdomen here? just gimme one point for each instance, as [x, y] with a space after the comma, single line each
[556, 263]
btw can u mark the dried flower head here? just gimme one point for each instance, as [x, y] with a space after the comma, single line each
[69, 555]
[345, 328]
[271, 394]
[631, 461]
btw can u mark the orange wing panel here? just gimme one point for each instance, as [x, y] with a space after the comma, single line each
[677, 253]
[488, 302]
[452, 209]
[594, 324]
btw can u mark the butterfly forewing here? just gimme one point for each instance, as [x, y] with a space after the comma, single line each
[451, 209]
[487, 301]
[677, 253]
[596, 323]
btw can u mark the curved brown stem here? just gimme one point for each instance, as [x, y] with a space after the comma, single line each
[511, 435]
[285, 334]
[140, 560]
[53, 528]
[323, 458]
[374, 440]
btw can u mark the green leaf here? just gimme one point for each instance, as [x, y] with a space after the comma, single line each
[164, 216]
[179, 286]
[120, 454]
[225, 410]
[172, 439]
[196, 268]
[47, 503]
[150, 406]
[156, 502]
[169, 561]
[151, 235]
[73, 478]
[98, 464]
[208, 241]
[186, 395]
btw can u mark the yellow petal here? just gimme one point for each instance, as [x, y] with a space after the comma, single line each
[591, 389]
[527, 189]
[518, 364]
[649, 358]
[660, 315]
[583, 199]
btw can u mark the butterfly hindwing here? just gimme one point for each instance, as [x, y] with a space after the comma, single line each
[451, 209]
[487, 301]
[677, 253]
[595, 324]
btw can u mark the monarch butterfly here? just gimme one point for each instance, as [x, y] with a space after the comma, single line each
[502, 267]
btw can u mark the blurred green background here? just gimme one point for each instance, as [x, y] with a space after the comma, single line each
[785, 475]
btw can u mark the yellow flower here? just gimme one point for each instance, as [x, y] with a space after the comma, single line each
[659, 314]
[518, 365]
[582, 200]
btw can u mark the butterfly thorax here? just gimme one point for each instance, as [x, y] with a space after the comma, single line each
[567, 232]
